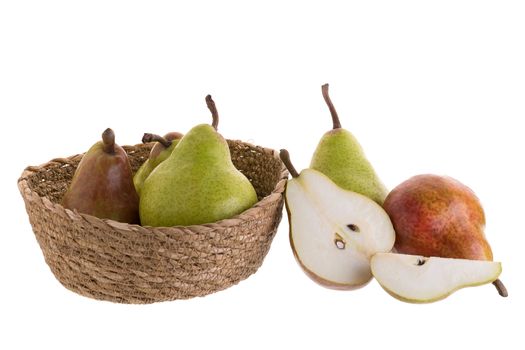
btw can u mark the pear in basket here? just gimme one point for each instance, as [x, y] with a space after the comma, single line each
[198, 183]
[102, 185]
[159, 153]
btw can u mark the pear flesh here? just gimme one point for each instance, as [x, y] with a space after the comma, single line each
[334, 232]
[419, 279]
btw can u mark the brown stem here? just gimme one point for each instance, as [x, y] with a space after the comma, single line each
[108, 139]
[156, 138]
[285, 157]
[502, 290]
[335, 117]
[214, 113]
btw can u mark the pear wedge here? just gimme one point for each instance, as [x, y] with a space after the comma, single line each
[419, 279]
[334, 232]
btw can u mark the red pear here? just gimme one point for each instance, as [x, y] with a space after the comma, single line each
[102, 185]
[438, 216]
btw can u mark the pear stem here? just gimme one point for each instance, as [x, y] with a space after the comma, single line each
[285, 157]
[108, 139]
[214, 113]
[502, 290]
[156, 138]
[335, 117]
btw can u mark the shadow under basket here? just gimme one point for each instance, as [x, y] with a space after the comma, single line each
[109, 260]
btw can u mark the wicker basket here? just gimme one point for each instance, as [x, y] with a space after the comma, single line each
[119, 262]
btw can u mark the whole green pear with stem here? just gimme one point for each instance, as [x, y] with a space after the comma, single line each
[159, 153]
[197, 183]
[102, 184]
[340, 157]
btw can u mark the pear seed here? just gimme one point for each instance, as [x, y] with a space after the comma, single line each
[353, 227]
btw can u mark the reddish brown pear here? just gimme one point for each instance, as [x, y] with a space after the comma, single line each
[438, 216]
[102, 185]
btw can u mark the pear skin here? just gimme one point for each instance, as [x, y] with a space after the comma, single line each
[102, 185]
[441, 217]
[340, 157]
[438, 216]
[159, 153]
[333, 231]
[198, 183]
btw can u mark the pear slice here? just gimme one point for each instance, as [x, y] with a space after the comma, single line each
[334, 232]
[419, 279]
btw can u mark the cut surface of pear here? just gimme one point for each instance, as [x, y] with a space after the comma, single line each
[334, 232]
[419, 279]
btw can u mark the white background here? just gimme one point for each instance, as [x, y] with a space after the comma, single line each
[427, 87]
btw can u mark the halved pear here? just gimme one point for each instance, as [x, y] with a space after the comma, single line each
[334, 232]
[419, 279]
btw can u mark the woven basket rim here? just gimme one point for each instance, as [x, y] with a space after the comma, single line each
[276, 193]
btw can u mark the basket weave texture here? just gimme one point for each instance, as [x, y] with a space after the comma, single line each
[119, 262]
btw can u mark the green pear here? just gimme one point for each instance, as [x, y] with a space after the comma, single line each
[340, 157]
[159, 153]
[198, 183]
[102, 185]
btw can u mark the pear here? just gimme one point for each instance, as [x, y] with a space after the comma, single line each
[333, 231]
[159, 153]
[419, 279]
[102, 184]
[439, 216]
[340, 157]
[197, 183]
